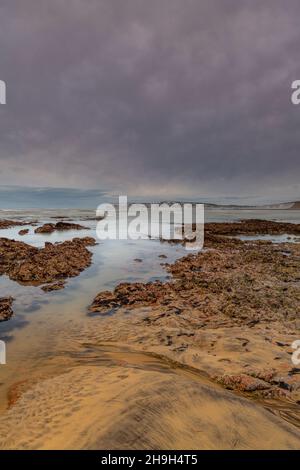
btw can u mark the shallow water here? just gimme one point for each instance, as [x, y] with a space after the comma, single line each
[40, 333]
[42, 320]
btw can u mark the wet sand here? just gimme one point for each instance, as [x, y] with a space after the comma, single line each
[128, 400]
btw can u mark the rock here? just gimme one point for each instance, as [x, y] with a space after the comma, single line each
[10, 223]
[35, 266]
[24, 231]
[127, 294]
[242, 282]
[96, 218]
[282, 345]
[104, 303]
[266, 374]
[59, 226]
[52, 287]
[242, 383]
[252, 227]
[6, 310]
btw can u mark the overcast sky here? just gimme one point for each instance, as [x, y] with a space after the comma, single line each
[164, 97]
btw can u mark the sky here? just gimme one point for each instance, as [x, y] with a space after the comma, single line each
[162, 97]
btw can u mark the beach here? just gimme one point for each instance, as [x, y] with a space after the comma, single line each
[148, 346]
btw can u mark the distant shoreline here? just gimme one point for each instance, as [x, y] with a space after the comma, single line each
[293, 205]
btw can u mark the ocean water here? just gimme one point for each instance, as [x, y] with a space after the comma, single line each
[44, 322]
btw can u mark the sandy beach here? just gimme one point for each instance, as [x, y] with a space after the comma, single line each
[199, 360]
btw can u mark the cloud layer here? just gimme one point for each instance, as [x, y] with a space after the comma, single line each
[151, 97]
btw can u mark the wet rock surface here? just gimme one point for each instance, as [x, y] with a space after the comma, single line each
[53, 287]
[6, 311]
[24, 232]
[240, 283]
[59, 226]
[35, 266]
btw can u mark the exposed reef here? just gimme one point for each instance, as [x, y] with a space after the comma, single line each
[59, 226]
[6, 311]
[4, 224]
[29, 265]
[231, 309]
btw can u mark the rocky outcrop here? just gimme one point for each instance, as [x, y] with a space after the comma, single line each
[252, 227]
[236, 284]
[24, 232]
[53, 287]
[10, 223]
[59, 226]
[224, 232]
[132, 295]
[36, 266]
[266, 383]
[6, 311]
[232, 310]
[91, 219]
[243, 383]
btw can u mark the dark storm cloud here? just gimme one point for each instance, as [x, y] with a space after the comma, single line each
[151, 96]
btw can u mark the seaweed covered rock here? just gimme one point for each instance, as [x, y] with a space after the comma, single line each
[6, 311]
[60, 227]
[35, 266]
